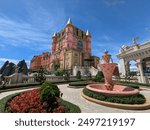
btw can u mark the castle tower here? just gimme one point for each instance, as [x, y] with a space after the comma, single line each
[69, 32]
[88, 41]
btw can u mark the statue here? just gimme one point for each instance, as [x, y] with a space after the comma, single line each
[106, 57]
[134, 39]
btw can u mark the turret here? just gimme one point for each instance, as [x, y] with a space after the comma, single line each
[88, 41]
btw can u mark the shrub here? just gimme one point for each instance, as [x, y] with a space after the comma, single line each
[40, 76]
[50, 93]
[135, 86]
[81, 83]
[133, 99]
[67, 76]
[99, 76]
[78, 75]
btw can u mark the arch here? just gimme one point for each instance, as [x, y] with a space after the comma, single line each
[133, 69]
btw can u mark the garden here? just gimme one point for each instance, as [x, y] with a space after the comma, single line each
[46, 99]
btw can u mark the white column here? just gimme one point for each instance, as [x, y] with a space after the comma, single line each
[122, 67]
[140, 68]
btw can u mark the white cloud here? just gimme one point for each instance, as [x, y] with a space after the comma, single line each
[21, 34]
[34, 33]
[114, 2]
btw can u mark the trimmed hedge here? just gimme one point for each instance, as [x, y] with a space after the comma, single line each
[138, 99]
[71, 108]
[81, 83]
[135, 86]
[20, 85]
[135, 83]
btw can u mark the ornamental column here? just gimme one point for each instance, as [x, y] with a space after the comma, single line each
[122, 67]
[141, 74]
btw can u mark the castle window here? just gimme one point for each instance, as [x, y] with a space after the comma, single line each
[80, 45]
[77, 32]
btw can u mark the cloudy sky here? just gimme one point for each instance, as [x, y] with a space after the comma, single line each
[26, 26]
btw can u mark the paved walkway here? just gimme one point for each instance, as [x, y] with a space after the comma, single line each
[73, 95]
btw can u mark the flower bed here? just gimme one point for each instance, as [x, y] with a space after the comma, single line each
[30, 102]
[44, 100]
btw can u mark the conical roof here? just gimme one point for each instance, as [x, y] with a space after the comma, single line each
[54, 35]
[88, 33]
[69, 21]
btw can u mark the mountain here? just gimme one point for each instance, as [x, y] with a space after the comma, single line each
[10, 68]
[22, 67]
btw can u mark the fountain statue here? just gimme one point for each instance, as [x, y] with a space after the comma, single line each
[108, 67]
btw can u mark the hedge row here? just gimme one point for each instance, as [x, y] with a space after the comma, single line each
[135, 83]
[138, 99]
[19, 85]
[81, 83]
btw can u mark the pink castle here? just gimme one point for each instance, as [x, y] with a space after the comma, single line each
[70, 47]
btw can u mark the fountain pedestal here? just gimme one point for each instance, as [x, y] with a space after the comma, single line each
[108, 70]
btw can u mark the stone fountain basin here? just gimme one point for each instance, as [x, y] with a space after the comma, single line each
[118, 90]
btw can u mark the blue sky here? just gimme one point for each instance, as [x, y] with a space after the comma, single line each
[26, 26]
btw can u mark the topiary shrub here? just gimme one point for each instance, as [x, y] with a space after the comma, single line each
[78, 75]
[40, 76]
[99, 76]
[67, 76]
[50, 93]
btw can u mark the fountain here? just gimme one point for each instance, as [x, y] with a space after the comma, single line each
[108, 68]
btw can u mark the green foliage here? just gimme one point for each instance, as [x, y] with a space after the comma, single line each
[78, 75]
[99, 77]
[133, 99]
[69, 107]
[49, 92]
[40, 76]
[135, 83]
[4, 101]
[18, 85]
[132, 86]
[67, 76]
[81, 83]
[56, 66]
[60, 73]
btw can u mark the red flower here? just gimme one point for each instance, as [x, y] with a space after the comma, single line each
[30, 102]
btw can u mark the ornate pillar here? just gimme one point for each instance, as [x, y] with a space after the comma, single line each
[122, 67]
[141, 74]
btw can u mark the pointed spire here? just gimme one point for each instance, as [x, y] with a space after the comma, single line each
[88, 33]
[69, 21]
[54, 35]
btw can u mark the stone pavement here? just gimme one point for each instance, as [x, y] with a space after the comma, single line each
[74, 96]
